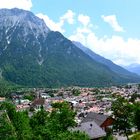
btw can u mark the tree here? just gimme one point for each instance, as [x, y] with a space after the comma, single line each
[6, 88]
[3, 89]
[122, 114]
[19, 120]
[7, 131]
[44, 125]
[10, 109]
[134, 97]
[136, 110]
[76, 92]
[135, 137]
[29, 97]
[39, 118]
[59, 122]
[22, 127]
[62, 116]
[38, 123]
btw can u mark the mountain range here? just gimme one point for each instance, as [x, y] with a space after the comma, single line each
[135, 68]
[115, 68]
[33, 55]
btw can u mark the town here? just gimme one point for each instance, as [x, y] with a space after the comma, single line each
[92, 105]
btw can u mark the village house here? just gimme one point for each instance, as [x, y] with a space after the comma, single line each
[104, 121]
[38, 103]
[22, 107]
[94, 131]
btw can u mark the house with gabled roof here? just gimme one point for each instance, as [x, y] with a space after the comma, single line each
[38, 103]
[104, 121]
[94, 131]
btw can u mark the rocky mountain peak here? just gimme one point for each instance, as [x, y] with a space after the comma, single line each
[12, 18]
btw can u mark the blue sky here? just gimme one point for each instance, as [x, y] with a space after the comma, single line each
[126, 11]
[108, 27]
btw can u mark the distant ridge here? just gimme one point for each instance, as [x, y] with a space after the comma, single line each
[115, 68]
[135, 68]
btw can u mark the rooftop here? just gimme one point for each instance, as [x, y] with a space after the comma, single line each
[98, 118]
[91, 129]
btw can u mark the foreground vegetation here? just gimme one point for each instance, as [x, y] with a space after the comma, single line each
[126, 116]
[135, 136]
[41, 126]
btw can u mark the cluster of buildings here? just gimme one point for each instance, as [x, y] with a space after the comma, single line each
[93, 105]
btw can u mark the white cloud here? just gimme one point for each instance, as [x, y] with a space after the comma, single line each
[68, 16]
[81, 35]
[21, 4]
[122, 52]
[84, 19]
[78, 37]
[58, 26]
[51, 24]
[115, 48]
[82, 31]
[112, 20]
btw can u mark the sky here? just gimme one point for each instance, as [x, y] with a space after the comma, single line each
[108, 27]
